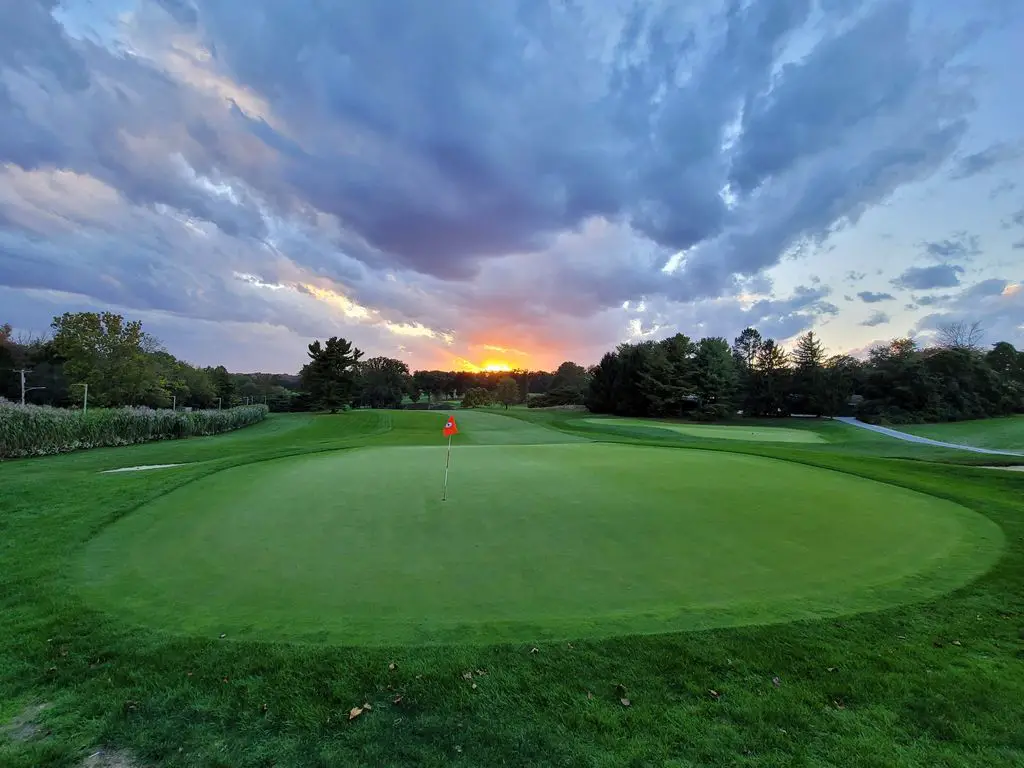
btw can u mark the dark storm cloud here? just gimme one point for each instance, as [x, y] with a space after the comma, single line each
[985, 160]
[873, 297]
[450, 141]
[926, 278]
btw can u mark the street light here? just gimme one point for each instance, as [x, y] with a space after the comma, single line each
[85, 398]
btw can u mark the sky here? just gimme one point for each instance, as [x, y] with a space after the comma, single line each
[464, 184]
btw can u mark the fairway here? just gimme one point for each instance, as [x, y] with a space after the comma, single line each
[535, 541]
[712, 431]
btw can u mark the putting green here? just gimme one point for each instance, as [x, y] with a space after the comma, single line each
[712, 431]
[534, 542]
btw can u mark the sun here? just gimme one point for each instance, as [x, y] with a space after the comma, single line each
[495, 366]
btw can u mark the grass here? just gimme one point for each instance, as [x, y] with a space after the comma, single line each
[1004, 434]
[750, 433]
[936, 682]
[387, 562]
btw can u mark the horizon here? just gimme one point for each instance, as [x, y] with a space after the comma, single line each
[516, 185]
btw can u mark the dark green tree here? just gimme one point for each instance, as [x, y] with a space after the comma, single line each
[507, 392]
[383, 382]
[329, 376]
[808, 382]
[716, 378]
[769, 381]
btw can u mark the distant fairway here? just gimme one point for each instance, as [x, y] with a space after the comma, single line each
[535, 541]
[1005, 434]
[712, 431]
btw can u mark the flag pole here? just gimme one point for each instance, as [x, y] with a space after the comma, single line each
[447, 461]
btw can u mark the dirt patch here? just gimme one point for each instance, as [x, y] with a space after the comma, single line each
[110, 758]
[26, 726]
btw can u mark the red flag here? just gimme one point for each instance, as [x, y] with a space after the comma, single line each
[450, 428]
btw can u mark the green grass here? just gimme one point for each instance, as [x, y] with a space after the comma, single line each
[273, 551]
[747, 432]
[935, 682]
[1006, 433]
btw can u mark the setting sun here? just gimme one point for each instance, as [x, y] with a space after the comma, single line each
[495, 366]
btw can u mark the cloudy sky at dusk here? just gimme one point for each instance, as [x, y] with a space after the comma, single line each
[459, 182]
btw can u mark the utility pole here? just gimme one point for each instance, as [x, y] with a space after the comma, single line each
[174, 402]
[85, 398]
[218, 403]
[25, 389]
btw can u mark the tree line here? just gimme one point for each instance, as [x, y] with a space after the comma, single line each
[899, 382]
[677, 377]
[123, 365]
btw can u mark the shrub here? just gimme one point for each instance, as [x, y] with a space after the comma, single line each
[32, 430]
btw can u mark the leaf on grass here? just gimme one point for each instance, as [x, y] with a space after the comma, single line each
[225, 679]
[223, 635]
[481, 672]
[367, 708]
[840, 704]
[535, 650]
[355, 712]
[569, 646]
[398, 699]
[589, 695]
[714, 694]
[467, 675]
[392, 666]
[474, 686]
[956, 642]
[776, 682]
[831, 669]
[625, 702]
[264, 707]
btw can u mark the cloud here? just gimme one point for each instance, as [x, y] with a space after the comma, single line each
[877, 318]
[853, 276]
[961, 247]
[925, 278]
[981, 162]
[873, 297]
[997, 304]
[510, 173]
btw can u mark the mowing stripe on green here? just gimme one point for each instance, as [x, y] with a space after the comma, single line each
[708, 431]
[534, 542]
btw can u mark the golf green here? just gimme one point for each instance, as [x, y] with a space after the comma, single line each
[713, 431]
[534, 542]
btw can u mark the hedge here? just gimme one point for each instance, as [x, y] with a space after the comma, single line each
[33, 430]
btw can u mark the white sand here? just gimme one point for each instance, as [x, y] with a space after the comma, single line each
[141, 468]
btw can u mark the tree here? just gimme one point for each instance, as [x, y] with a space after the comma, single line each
[809, 375]
[383, 382]
[716, 378]
[745, 347]
[329, 376]
[507, 392]
[1007, 361]
[601, 390]
[475, 397]
[110, 355]
[770, 380]
[842, 377]
[568, 386]
[223, 384]
[961, 335]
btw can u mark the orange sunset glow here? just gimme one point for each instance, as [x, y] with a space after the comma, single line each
[488, 366]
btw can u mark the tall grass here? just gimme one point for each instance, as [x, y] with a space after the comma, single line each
[32, 430]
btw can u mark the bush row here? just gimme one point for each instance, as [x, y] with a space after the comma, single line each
[32, 430]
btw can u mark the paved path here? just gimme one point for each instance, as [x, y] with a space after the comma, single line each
[923, 440]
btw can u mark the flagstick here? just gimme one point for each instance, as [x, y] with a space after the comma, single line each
[447, 461]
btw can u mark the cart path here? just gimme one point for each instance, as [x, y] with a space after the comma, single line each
[923, 440]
